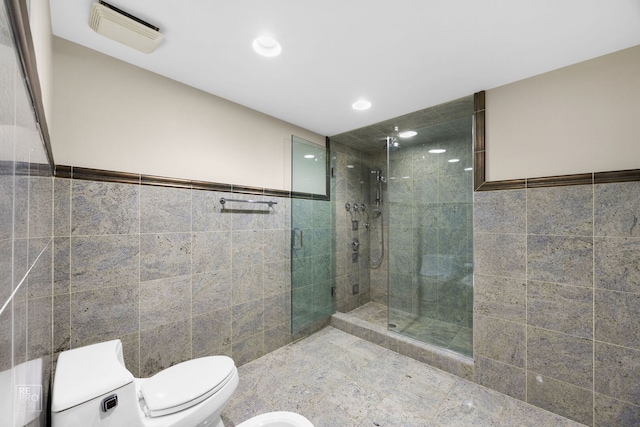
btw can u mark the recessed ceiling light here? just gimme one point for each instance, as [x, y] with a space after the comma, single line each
[350, 166]
[453, 160]
[361, 105]
[309, 156]
[266, 46]
[468, 169]
[407, 134]
[437, 151]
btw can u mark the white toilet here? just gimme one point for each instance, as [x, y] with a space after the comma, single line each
[92, 387]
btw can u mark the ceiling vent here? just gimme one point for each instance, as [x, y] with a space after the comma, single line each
[122, 27]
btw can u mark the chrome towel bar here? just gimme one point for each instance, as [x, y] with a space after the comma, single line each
[266, 202]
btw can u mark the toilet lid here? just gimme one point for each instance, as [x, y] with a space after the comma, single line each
[185, 384]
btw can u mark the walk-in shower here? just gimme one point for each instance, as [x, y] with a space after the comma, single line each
[419, 226]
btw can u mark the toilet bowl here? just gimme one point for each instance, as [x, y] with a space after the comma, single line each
[277, 419]
[92, 387]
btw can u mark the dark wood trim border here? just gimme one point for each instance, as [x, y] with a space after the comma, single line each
[616, 176]
[327, 168]
[479, 164]
[102, 175]
[210, 186]
[559, 181]
[73, 172]
[478, 133]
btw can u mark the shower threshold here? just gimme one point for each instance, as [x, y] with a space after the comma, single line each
[375, 329]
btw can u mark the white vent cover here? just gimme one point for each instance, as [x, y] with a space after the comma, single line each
[110, 23]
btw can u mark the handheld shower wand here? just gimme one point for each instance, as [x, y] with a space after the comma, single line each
[377, 213]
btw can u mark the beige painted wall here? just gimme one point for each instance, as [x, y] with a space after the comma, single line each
[112, 115]
[581, 118]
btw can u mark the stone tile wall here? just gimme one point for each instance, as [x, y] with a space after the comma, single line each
[557, 297]
[169, 272]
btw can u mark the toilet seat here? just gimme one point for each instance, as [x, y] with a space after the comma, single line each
[185, 384]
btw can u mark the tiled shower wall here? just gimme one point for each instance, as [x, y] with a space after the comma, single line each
[169, 272]
[352, 170]
[25, 249]
[557, 298]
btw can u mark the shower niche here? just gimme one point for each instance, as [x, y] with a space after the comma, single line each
[418, 193]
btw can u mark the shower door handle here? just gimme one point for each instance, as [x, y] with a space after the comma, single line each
[295, 248]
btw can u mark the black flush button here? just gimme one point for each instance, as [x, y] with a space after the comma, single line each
[109, 402]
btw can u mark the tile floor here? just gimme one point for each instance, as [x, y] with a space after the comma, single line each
[339, 380]
[432, 331]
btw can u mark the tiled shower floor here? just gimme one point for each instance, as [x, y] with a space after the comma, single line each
[441, 334]
[339, 380]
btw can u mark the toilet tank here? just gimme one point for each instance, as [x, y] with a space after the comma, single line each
[85, 380]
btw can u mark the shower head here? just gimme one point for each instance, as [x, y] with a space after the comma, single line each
[393, 144]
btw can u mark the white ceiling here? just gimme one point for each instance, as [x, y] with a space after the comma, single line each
[402, 55]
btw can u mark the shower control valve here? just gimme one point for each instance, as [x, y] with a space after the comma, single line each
[355, 245]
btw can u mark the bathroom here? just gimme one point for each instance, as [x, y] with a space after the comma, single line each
[89, 256]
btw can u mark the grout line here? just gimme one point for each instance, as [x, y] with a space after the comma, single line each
[593, 303]
[68, 237]
[52, 271]
[483, 233]
[526, 294]
[139, 367]
[231, 306]
[635, 349]
[191, 273]
[545, 281]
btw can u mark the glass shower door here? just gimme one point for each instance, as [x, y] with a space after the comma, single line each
[312, 229]
[431, 237]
